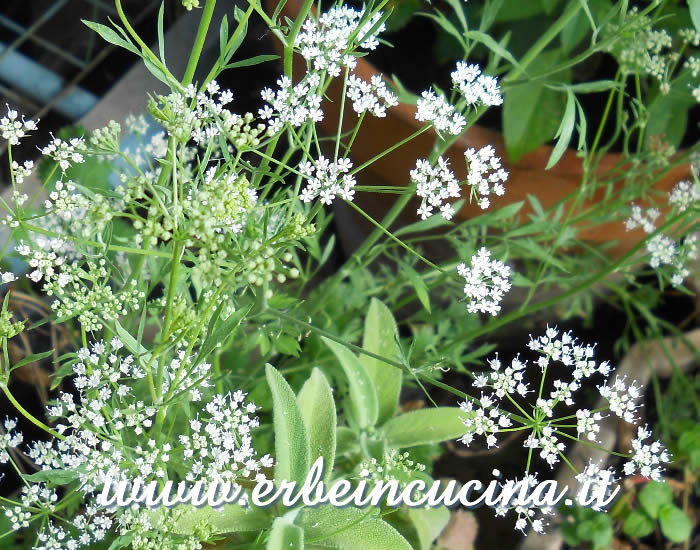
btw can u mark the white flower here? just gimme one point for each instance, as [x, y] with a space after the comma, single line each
[13, 129]
[64, 152]
[476, 87]
[549, 444]
[621, 398]
[594, 478]
[684, 195]
[505, 381]
[22, 171]
[435, 184]
[292, 104]
[326, 43]
[9, 439]
[436, 109]
[485, 173]
[326, 179]
[642, 218]
[487, 281]
[486, 421]
[646, 458]
[370, 96]
[587, 423]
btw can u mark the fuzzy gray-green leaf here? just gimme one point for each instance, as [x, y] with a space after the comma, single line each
[380, 338]
[363, 395]
[291, 440]
[318, 410]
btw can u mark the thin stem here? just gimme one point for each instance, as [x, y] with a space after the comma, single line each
[204, 23]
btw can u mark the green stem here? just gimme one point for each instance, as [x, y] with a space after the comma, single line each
[204, 23]
[26, 414]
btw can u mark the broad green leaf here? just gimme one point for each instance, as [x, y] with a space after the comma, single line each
[429, 523]
[668, 114]
[425, 426]
[694, 6]
[363, 395]
[532, 112]
[349, 529]
[379, 337]
[229, 518]
[655, 495]
[674, 523]
[565, 131]
[291, 440]
[638, 524]
[318, 410]
[285, 536]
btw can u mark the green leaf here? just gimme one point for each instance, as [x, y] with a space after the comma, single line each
[57, 477]
[252, 61]
[161, 37]
[31, 358]
[494, 46]
[121, 541]
[363, 395]
[531, 112]
[638, 524]
[291, 440]
[229, 518]
[130, 342]
[674, 523]
[655, 495]
[318, 411]
[223, 36]
[349, 529]
[425, 426]
[287, 345]
[565, 131]
[668, 114]
[429, 523]
[222, 331]
[380, 337]
[418, 285]
[285, 536]
[694, 6]
[110, 36]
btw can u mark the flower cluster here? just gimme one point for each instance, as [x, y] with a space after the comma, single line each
[65, 152]
[327, 44]
[292, 104]
[662, 249]
[13, 129]
[370, 96]
[436, 109]
[476, 88]
[327, 179]
[434, 185]
[486, 175]
[647, 458]
[9, 439]
[547, 431]
[487, 281]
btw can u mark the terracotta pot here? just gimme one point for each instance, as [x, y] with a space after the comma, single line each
[527, 177]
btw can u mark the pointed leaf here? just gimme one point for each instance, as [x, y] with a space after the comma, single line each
[363, 395]
[379, 337]
[425, 426]
[318, 410]
[291, 439]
